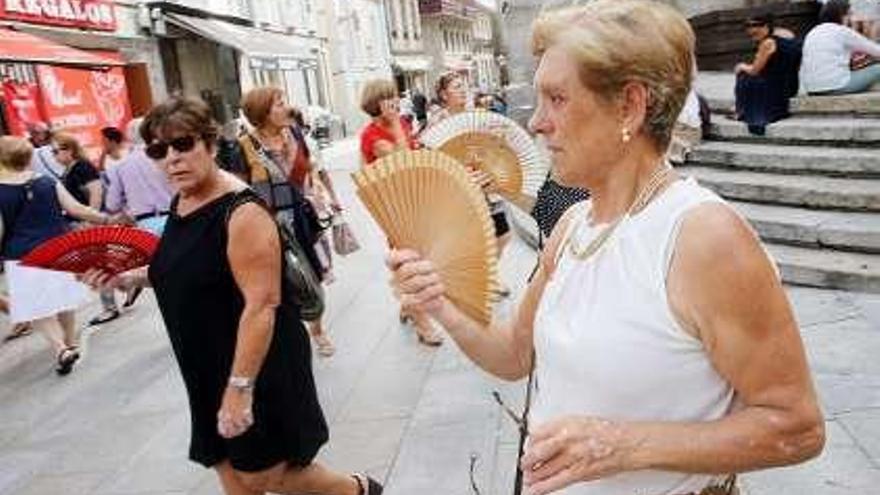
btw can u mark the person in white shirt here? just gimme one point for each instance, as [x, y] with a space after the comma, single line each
[828, 49]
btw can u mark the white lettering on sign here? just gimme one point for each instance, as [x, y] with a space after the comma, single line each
[77, 12]
[33, 7]
[53, 90]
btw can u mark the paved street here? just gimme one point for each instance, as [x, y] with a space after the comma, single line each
[404, 413]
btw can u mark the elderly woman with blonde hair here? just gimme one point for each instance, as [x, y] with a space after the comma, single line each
[660, 368]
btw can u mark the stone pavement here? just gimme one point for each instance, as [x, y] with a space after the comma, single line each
[412, 416]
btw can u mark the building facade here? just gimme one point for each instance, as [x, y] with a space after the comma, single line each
[76, 97]
[410, 62]
[218, 49]
[484, 51]
[360, 51]
[448, 27]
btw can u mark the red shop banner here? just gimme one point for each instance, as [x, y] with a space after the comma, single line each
[82, 101]
[89, 14]
[22, 104]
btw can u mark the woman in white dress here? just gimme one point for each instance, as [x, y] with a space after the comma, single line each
[32, 206]
[665, 351]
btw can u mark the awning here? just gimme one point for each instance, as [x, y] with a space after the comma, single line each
[255, 43]
[412, 63]
[16, 46]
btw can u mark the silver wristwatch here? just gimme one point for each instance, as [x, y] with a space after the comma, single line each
[241, 383]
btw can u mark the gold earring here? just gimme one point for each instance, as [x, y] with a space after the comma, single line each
[625, 136]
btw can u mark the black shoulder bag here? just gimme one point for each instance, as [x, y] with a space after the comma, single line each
[305, 286]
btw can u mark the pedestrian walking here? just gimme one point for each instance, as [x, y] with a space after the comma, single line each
[31, 208]
[451, 92]
[83, 181]
[388, 133]
[279, 167]
[236, 332]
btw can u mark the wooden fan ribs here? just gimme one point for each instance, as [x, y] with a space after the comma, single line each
[503, 141]
[112, 249]
[425, 200]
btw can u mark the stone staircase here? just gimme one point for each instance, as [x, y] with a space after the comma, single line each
[810, 187]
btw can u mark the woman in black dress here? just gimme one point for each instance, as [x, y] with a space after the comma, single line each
[242, 350]
[764, 86]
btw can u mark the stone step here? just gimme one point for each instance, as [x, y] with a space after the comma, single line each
[827, 268]
[858, 105]
[793, 190]
[848, 231]
[837, 131]
[849, 162]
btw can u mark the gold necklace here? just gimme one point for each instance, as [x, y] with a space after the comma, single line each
[657, 178]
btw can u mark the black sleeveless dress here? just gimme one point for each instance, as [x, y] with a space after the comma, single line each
[201, 305]
[763, 99]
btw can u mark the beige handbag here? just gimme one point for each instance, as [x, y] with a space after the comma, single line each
[344, 241]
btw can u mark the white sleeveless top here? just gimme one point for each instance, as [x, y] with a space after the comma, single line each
[607, 344]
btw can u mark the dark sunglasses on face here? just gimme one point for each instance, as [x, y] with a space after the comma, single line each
[158, 150]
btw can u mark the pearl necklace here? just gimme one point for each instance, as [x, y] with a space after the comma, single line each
[657, 179]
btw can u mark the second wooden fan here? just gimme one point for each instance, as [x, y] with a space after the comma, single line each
[425, 200]
[496, 144]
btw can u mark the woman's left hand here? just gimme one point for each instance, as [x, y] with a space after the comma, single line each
[236, 413]
[572, 450]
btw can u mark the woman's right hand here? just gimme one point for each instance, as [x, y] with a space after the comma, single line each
[416, 283]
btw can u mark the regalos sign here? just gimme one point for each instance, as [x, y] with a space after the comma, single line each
[90, 14]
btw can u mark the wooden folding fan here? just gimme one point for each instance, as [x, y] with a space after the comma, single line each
[426, 201]
[112, 249]
[495, 144]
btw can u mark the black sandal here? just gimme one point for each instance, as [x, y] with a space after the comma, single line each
[105, 316]
[66, 359]
[367, 485]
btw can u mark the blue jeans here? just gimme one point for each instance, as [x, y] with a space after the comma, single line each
[859, 81]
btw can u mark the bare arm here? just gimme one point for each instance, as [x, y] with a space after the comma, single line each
[383, 147]
[723, 287]
[95, 191]
[765, 50]
[78, 210]
[324, 177]
[254, 253]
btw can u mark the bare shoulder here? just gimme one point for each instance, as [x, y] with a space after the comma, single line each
[769, 44]
[712, 232]
[719, 268]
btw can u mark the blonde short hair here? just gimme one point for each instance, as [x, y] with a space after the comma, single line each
[617, 42]
[15, 153]
[374, 93]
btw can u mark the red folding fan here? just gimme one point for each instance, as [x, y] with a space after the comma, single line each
[112, 249]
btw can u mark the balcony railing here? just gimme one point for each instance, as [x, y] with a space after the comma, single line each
[456, 8]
